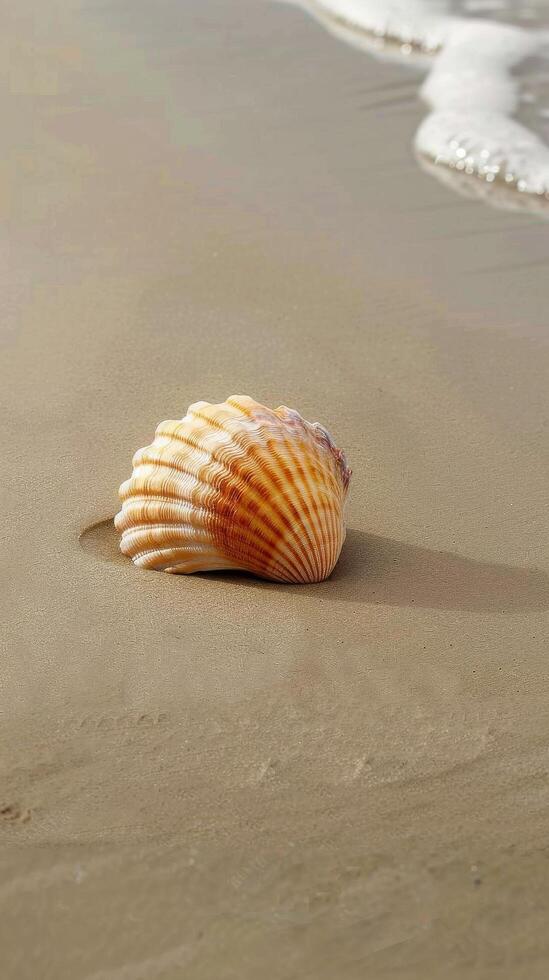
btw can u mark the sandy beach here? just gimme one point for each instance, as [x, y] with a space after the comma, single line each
[213, 776]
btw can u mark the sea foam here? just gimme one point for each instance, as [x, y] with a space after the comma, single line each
[472, 87]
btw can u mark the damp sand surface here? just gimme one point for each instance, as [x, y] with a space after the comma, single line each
[214, 776]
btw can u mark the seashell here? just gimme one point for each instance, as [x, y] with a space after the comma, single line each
[237, 486]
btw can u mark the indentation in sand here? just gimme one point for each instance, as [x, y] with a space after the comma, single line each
[102, 541]
[14, 813]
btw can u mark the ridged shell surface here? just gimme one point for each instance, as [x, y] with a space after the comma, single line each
[237, 486]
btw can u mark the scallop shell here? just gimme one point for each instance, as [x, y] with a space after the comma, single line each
[237, 486]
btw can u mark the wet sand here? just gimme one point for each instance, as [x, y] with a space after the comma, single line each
[214, 776]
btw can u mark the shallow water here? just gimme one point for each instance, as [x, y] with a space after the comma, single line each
[486, 68]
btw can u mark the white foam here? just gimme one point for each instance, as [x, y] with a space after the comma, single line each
[471, 86]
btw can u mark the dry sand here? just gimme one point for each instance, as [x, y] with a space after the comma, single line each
[213, 777]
